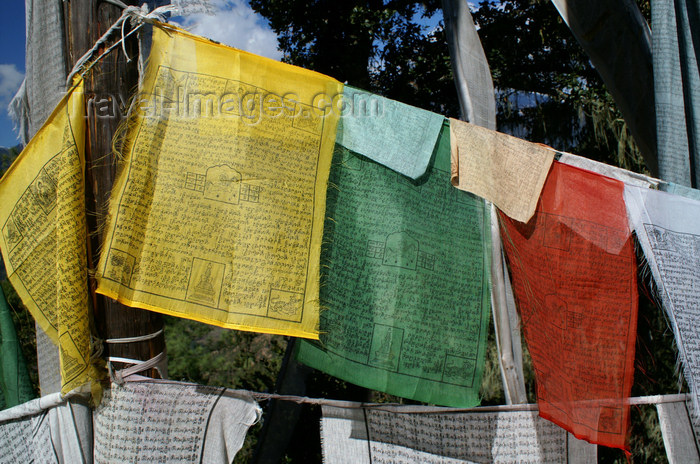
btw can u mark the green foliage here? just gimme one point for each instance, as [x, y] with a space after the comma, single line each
[655, 374]
[380, 46]
[548, 91]
[491, 391]
[7, 156]
[210, 355]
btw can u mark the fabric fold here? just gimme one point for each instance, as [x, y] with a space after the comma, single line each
[628, 177]
[677, 89]
[681, 190]
[45, 65]
[394, 134]
[618, 41]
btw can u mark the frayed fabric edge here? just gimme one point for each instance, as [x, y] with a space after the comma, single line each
[18, 110]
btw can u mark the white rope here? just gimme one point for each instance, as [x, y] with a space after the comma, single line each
[84, 59]
[138, 366]
[138, 17]
[419, 409]
[411, 409]
[140, 338]
[31, 407]
[119, 377]
[39, 405]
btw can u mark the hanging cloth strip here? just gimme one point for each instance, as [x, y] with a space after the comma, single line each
[667, 230]
[169, 421]
[574, 273]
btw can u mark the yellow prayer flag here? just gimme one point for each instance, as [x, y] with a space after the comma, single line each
[218, 213]
[42, 215]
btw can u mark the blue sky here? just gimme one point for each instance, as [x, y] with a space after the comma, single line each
[11, 63]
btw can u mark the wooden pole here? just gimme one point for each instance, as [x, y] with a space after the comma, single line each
[107, 90]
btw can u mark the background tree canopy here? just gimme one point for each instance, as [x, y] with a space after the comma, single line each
[386, 47]
[547, 92]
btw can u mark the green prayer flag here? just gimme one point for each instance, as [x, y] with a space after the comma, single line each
[14, 378]
[405, 286]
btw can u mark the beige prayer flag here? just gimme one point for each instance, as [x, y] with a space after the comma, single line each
[218, 213]
[507, 171]
[404, 434]
[47, 430]
[42, 215]
[178, 423]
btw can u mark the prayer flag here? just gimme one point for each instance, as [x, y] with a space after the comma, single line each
[42, 216]
[218, 213]
[364, 436]
[505, 170]
[405, 284]
[676, 74]
[668, 231]
[47, 430]
[174, 422]
[574, 276]
[397, 135]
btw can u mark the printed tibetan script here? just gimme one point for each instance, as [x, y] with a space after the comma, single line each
[43, 238]
[668, 230]
[171, 422]
[405, 282]
[218, 213]
[574, 276]
[359, 436]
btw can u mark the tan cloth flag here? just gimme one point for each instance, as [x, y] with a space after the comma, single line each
[507, 171]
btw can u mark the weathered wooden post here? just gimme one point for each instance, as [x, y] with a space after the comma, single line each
[107, 90]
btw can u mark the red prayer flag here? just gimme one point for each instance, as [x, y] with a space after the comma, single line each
[574, 276]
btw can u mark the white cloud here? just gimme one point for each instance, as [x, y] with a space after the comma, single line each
[10, 80]
[237, 25]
